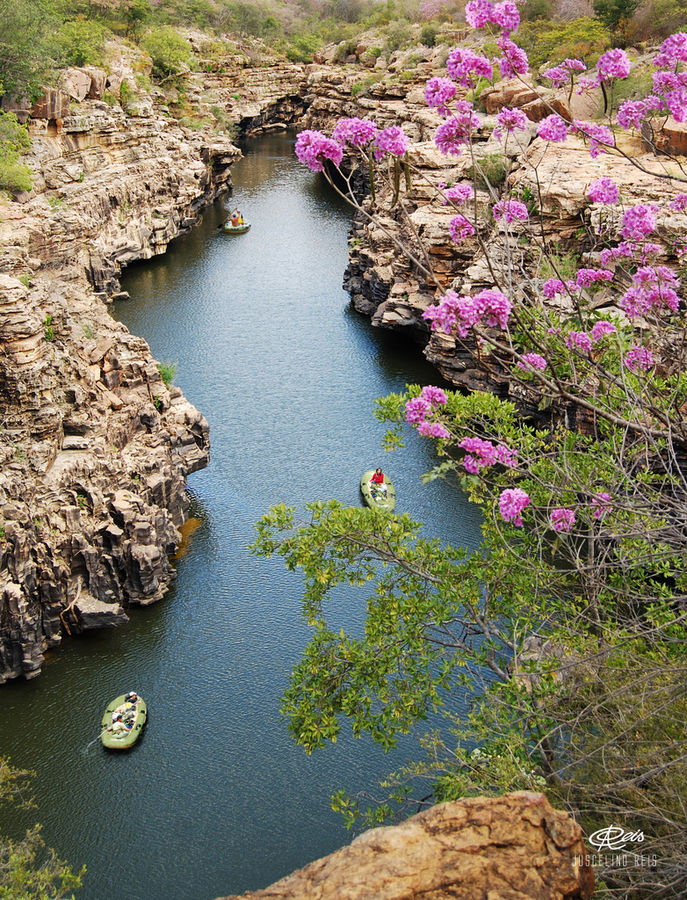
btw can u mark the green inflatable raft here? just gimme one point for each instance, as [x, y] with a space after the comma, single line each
[376, 498]
[122, 734]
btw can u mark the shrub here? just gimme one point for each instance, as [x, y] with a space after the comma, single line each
[428, 35]
[81, 43]
[398, 35]
[167, 372]
[14, 140]
[552, 42]
[169, 51]
[493, 168]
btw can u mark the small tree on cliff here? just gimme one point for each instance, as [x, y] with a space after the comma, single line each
[28, 870]
[564, 635]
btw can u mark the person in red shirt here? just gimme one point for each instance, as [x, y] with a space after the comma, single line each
[377, 482]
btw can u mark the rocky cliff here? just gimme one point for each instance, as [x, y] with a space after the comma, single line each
[94, 447]
[511, 848]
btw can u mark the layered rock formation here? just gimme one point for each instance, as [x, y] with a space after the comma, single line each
[511, 848]
[94, 446]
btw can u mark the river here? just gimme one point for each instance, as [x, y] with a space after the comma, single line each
[216, 798]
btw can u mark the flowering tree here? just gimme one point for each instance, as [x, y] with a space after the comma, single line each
[562, 640]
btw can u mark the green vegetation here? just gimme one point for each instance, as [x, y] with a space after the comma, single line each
[29, 870]
[493, 171]
[167, 372]
[79, 42]
[14, 140]
[48, 330]
[169, 52]
[550, 43]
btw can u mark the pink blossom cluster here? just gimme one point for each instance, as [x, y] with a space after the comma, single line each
[356, 132]
[313, 148]
[391, 140]
[455, 132]
[490, 307]
[562, 519]
[552, 128]
[673, 51]
[553, 286]
[514, 60]
[578, 340]
[624, 250]
[598, 135]
[654, 287]
[439, 92]
[532, 361]
[603, 190]
[614, 63]
[639, 358]
[467, 67]
[587, 277]
[600, 329]
[632, 113]
[482, 454]
[510, 210]
[510, 120]
[679, 204]
[512, 502]
[565, 71]
[458, 194]
[670, 88]
[639, 221]
[419, 408]
[460, 228]
[431, 8]
[479, 13]
[600, 504]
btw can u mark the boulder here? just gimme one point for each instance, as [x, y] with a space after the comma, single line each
[54, 104]
[515, 847]
[76, 83]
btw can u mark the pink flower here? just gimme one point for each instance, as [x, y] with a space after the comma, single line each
[392, 140]
[679, 204]
[506, 456]
[553, 286]
[600, 329]
[506, 15]
[467, 67]
[596, 134]
[564, 72]
[613, 64]
[578, 340]
[417, 410]
[313, 147]
[433, 429]
[552, 128]
[356, 132]
[639, 221]
[510, 210]
[478, 13]
[496, 308]
[603, 190]
[438, 93]
[514, 60]
[639, 358]
[587, 277]
[459, 193]
[600, 505]
[459, 228]
[532, 361]
[511, 504]
[673, 50]
[434, 395]
[479, 454]
[562, 519]
[510, 120]
[455, 132]
[631, 114]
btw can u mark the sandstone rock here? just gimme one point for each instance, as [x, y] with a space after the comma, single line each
[514, 847]
[76, 83]
[54, 104]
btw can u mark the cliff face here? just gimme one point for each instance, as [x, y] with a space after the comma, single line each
[514, 847]
[94, 448]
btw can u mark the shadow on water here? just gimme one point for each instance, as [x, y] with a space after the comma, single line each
[217, 799]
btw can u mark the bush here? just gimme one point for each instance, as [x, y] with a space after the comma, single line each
[535, 9]
[14, 140]
[303, 47]
[25, 47]
[398, 35]
[81, 43]
[552, 42]
[169, 51]
[167, 372]
[428, 35]
[493, 168]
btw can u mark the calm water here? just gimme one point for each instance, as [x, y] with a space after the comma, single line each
[216, 798]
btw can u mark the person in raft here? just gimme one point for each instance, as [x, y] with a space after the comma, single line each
[129, 705]
[377, 483]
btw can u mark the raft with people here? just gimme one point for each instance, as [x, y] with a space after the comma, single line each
[123, 721]
[377, 490]
[235, 224]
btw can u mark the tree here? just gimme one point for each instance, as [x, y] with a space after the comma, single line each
[26, 61]
[14, 140]
[28, 871]
[563, 636]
